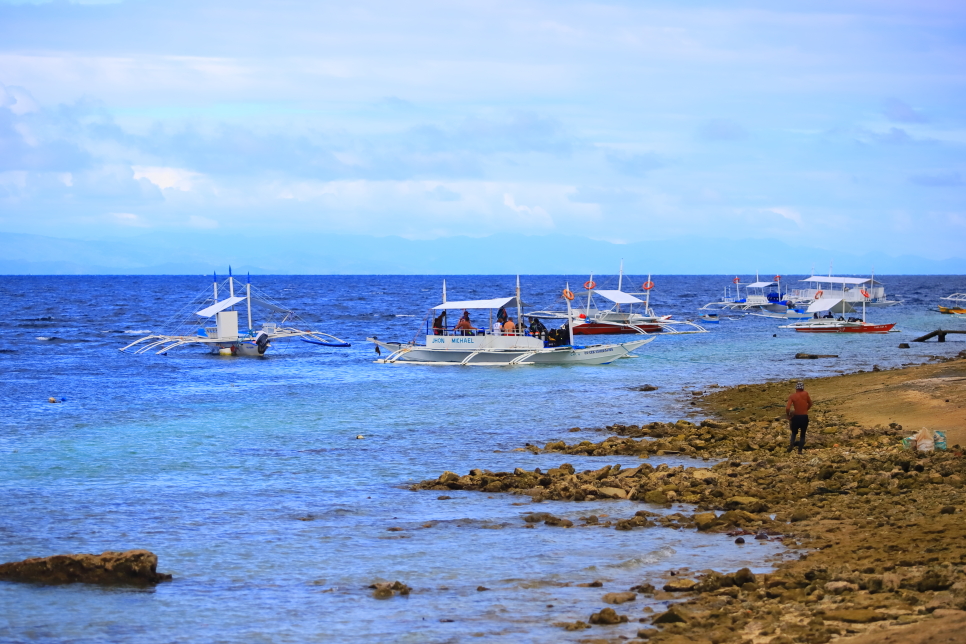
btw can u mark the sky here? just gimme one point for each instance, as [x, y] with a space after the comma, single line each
[833, 124]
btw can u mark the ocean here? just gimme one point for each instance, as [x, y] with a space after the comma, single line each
[246, 477]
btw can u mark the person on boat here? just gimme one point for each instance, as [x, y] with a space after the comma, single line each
[464, 325]
[537, 329]
[501, 315]
[509, 327]
[815, 315]
[439, 324]
[497, 328]
[796, 409]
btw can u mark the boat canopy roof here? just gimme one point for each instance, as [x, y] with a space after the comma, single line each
[760, 284]
[477, 304]
[220, 306]
[841, 280]
[833, 304]
[619, 297]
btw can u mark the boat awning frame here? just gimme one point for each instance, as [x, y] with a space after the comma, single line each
[834, 304]
[476, 304]
[220, 306]
[841, 280]
[619, 297]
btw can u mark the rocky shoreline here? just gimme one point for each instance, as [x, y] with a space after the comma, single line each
[880, 529]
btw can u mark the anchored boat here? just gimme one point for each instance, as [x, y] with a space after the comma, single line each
[957, 304]
[489, 343]
[627, 314]
[224, 337]
[823, 311]
[856, 290]
[760, 298]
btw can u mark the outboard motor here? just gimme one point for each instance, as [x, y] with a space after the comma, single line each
[261, 341]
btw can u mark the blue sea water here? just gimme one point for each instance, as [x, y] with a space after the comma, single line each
[245, 475]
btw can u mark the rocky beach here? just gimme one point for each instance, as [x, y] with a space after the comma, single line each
[878, 528]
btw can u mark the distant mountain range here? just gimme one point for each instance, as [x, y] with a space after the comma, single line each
[503, 254]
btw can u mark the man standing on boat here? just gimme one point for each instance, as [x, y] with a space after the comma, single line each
[796, 409]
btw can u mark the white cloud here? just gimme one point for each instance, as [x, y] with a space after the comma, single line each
[197, 221]
[167, 178]
[787, 213]
[534, 215]
[129, 219]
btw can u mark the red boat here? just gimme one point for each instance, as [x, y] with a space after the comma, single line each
[596, 328]
[835, 326]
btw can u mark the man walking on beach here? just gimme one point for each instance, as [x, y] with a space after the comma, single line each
[797, 411]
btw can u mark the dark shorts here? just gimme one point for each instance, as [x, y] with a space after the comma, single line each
[799, 422]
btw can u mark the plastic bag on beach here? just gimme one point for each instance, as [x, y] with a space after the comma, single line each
[940, 438]
[925, 440]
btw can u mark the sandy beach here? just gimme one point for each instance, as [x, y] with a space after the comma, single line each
[879, 529]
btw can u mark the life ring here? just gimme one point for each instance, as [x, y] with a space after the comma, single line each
[819, 294]
[568, 294]
[736, 280]
[589, 285]
[864, 293]
[648, 285]
[778, 278]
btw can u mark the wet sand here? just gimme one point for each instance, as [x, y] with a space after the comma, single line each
[879, 530]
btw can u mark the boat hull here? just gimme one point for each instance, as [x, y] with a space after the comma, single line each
[847, 328]
[398, 353]
[596, 328]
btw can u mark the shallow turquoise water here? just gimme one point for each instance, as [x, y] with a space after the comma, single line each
[245, 476]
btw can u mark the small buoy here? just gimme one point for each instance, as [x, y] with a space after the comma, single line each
[740, 540]
[774, 335]
[360, 437]
[51, 400]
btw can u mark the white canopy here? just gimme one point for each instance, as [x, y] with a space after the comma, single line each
[841, 280]
[219, 306]
[833, 304]
[619, 297]
[476, 304]
[760, 284]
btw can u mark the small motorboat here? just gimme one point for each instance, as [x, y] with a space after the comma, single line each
[712, 318]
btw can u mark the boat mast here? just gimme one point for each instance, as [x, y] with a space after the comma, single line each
[647, 298]
[620, 276]
[444, 292]
[248, 298]
[231, 283]
[570, 320]
[519, 306]
[589, 292]
[214, 277]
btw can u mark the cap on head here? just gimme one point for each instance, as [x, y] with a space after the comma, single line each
[800, 385]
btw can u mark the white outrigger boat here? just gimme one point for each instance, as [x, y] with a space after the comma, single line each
[458, 345]
[854, 290]
[621, 317]
[761, 298]
[225, 338]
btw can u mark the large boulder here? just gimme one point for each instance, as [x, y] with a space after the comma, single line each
[135, 567]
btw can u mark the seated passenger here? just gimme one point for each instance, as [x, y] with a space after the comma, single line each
[464, 327]
[497, 328]
[509, 327]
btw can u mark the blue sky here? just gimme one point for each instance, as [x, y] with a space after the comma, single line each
[832, 124]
